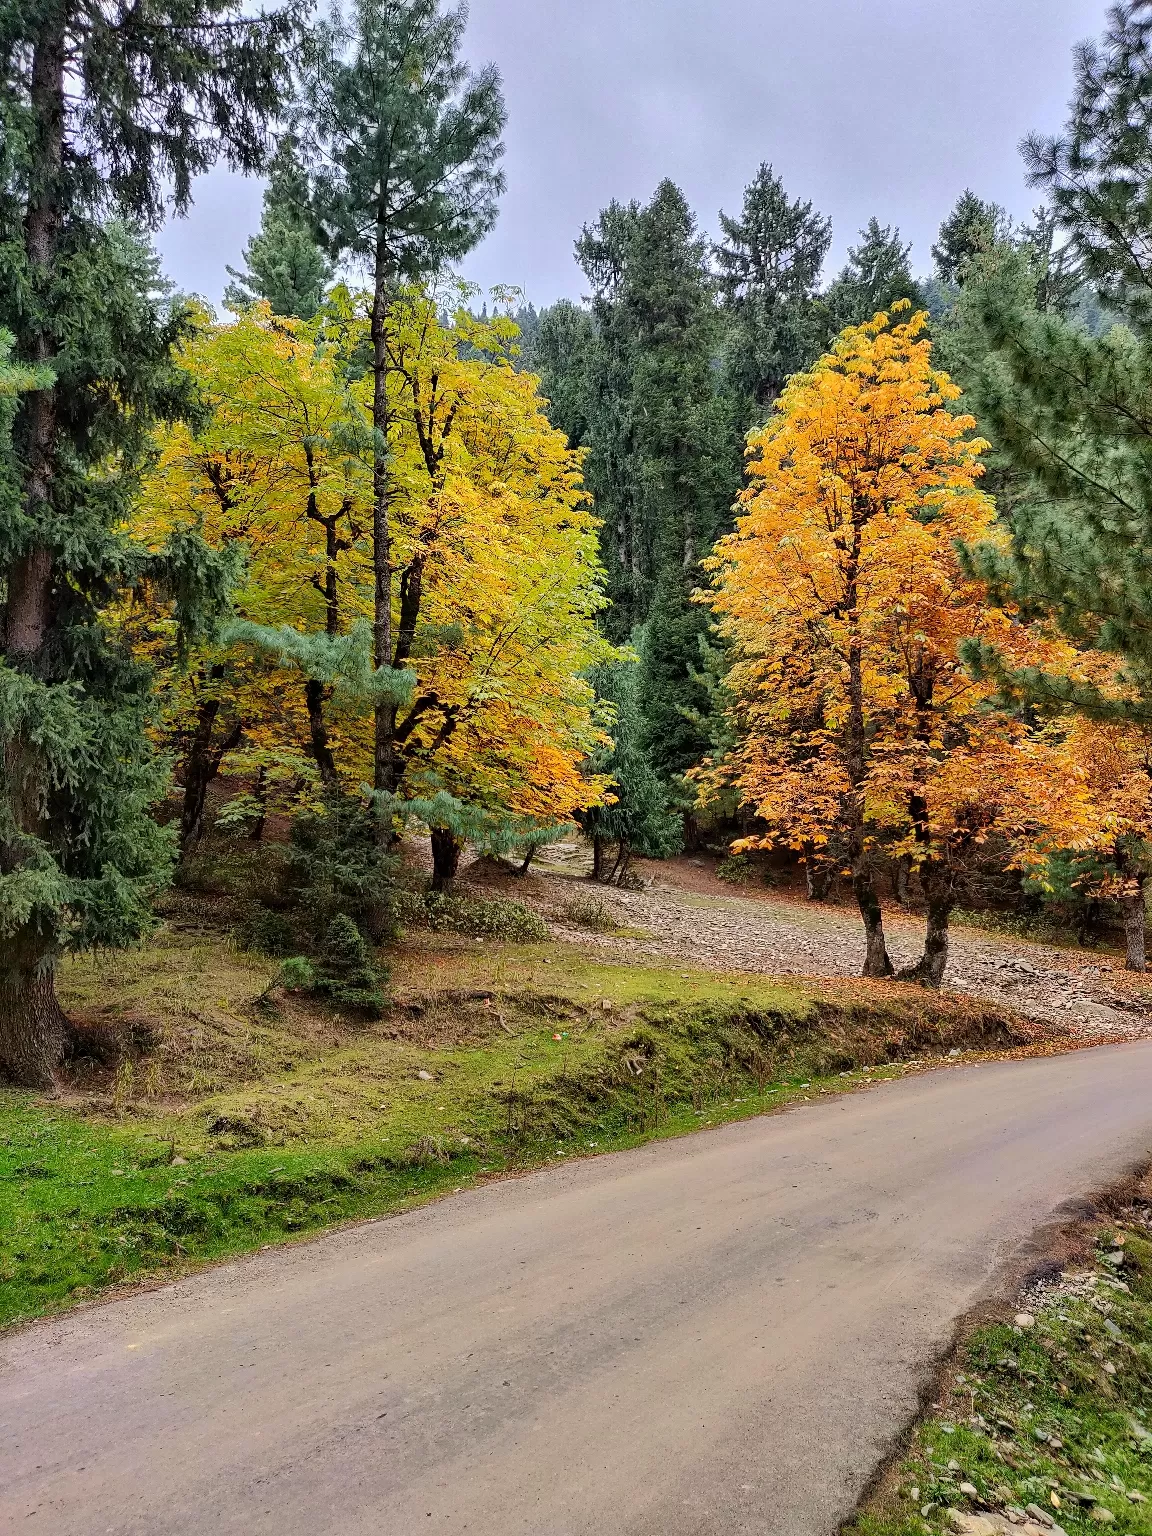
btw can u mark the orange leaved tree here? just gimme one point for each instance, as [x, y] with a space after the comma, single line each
[842, 596]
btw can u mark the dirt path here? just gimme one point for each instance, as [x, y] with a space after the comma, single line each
[716, 1335]
[690, 915]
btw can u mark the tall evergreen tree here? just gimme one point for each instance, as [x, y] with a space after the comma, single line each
[283, 262]
[104, 110]
[663, 466]
[639, 820]
[971, 229]
[1072, 411]
[770, 262]
[875, 276]
[404, 147]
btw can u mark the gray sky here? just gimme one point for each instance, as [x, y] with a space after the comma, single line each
[889, 107]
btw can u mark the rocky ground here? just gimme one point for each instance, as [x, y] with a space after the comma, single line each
[685, 912]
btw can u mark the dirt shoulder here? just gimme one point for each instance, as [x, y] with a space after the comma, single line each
[1036, 1423]
[686, 913]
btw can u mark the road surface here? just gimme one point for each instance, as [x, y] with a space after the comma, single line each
[719, 1334]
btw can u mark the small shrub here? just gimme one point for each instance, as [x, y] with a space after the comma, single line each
[267, 933]
[338, 869]
[484, 919]
[736, 869]
[472, 917]
[345, 971]
[297, 974]
[591, 913]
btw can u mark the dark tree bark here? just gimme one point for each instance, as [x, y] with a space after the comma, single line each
[446, 849]
[201, 767]
[529, 855]
[1135, 920]
[34, 1029]
[315, 697]
[901, 876]
[876, 961]
[261, 792]
[929, 969]
[817, 877]
[597, 858]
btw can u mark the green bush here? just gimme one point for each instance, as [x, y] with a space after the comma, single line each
[591, 913]
[297, 974]
[267, 933]
[472, 917]
[336, 867]
[345, 970]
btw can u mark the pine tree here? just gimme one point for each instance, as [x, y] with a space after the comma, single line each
[403, 144]
[283, 262]
[973, 228]
[875, 277]
[770, 263]
[106, 111]
[1072, 412]
[640, 819]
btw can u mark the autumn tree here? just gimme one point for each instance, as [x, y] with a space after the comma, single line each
[108, 112]
[1069, 410]
[843, 596]
[497, 582]
[278, 468]
[403, 147]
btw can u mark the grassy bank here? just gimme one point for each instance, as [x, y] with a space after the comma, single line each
[235, 1117]
[1050, 1413]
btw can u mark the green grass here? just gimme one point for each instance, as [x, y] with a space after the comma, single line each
[1034, 1417]
[240, 1125]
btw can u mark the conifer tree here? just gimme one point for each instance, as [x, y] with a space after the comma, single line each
[770, 262]
[639, 818]
[106, 110]
[1072, 412]
[875, 277]
[403, 145]
[973, 228]
[283, 262]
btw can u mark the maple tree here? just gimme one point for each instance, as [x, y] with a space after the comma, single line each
[844, 599]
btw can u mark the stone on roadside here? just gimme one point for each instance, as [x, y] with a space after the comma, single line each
[969, 1490]
[969, 1525]
[1024, 1320]
[1103, 1516]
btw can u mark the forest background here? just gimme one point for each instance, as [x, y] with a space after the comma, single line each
[373, 551]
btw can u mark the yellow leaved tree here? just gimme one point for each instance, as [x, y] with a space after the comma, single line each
[843, 598]
[492, 563]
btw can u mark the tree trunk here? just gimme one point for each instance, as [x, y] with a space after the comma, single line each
[929, 969]
[315, 697]
[261, 793]
[446, 848]
[529, 855]
[33, 1028]
[901, 875]
[597, 858]
[200, 768]
[1135, 918]
[384, 722]
[876, 961]
[817, 879]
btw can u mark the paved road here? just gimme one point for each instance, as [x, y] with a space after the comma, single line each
[714, 1335]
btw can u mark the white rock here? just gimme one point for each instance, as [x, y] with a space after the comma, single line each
[1025, 1320]
[425, 1077]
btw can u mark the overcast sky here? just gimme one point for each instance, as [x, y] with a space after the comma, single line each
[886, 107]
